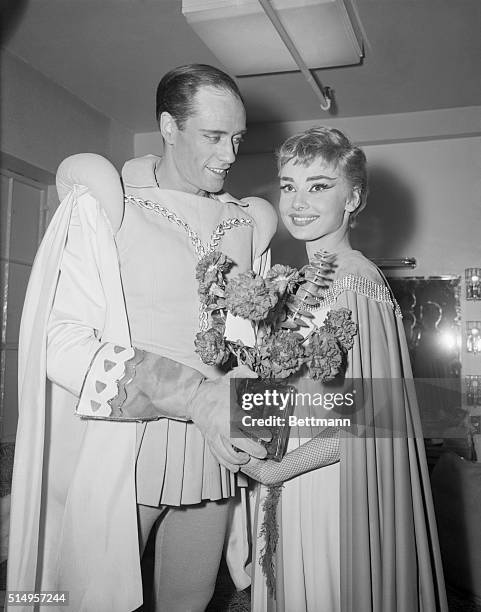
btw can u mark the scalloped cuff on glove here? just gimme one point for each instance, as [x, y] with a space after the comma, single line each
[128, 384]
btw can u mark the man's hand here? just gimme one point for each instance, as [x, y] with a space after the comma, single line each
[211, 413]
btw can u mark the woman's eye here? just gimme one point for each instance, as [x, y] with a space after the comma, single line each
[287, 188]
[319, 187]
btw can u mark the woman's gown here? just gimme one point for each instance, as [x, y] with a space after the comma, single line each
[359, 535]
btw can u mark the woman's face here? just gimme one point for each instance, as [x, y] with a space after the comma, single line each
[313, 199]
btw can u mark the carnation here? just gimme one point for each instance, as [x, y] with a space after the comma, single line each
[250, 297]
[210, 272]
[210, 346]
[324, 356]
[281, 354]
[283, 278]
[341, 326]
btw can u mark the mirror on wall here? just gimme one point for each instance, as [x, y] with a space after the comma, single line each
[432, 322]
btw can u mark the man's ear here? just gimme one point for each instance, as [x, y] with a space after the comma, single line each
[354, 201]
[168, 127]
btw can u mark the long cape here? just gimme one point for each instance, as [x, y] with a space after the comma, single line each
[55, 535]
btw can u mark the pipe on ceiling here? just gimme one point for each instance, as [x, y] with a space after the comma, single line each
[321, 93]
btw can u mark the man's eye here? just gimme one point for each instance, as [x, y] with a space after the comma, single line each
[287, 188]
[237, 141]
[212, 138]
[319, 187]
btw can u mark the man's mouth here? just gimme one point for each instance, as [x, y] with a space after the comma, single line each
[220, 172]
[302, 220]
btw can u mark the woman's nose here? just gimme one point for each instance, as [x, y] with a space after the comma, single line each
[299, 202]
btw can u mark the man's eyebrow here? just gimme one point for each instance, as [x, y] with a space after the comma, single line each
[286, 178]
[221, 132]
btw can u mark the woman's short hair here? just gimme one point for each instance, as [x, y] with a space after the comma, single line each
[333, 148]
[176, 91]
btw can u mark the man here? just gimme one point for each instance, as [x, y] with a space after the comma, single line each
[113, 325]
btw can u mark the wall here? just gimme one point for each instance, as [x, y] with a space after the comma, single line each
[42, 123]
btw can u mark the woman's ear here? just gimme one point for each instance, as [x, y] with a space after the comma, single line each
[354, 201]
[168, 127]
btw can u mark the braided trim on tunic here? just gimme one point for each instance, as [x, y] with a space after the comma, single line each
[362, 286]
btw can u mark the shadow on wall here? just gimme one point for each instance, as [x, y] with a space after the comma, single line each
[12, 13]
[385, 225]
[256, 175]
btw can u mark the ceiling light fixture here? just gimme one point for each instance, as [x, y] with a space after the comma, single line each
[267, 36]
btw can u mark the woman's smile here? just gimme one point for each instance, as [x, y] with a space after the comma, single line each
[302, 220]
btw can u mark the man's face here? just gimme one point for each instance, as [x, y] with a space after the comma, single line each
[203, 151]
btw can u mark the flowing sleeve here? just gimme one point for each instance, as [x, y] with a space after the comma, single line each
[390, 557]
[83, 356]
[82, 361]
[77, 316]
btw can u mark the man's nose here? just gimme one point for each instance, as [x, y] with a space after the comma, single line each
[227, 152]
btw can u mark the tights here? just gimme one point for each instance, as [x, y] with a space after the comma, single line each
[188, 550]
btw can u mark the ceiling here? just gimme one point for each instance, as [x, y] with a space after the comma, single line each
[419, 55]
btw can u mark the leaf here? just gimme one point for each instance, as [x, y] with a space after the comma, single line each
[289, 324]
[301, 323]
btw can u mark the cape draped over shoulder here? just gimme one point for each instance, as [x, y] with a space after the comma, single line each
[53, 533]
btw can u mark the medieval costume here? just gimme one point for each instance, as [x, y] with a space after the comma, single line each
[107, 278]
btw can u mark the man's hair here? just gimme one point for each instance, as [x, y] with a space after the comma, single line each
[335, 149]
[177, 89]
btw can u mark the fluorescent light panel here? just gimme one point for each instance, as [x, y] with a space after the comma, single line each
[242, 37]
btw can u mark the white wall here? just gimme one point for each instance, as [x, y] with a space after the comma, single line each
[425, 203]
[42, 123]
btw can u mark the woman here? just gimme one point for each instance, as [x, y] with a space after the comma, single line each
[357, 534]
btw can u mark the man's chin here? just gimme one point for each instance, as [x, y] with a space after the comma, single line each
[214, 183]
[213, 186]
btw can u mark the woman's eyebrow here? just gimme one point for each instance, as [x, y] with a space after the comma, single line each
[321, 176]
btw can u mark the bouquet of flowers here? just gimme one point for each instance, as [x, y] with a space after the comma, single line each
[277, 306]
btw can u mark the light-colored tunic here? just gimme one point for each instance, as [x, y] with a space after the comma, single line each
[157, 262]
